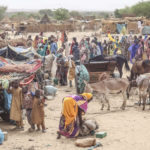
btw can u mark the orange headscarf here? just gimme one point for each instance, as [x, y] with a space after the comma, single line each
[70, 110]
[88, 96]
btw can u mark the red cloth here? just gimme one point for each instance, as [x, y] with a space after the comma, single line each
[71, 48]
[28, 80]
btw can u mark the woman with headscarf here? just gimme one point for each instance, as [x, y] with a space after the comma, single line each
[73, 107]
[75, 50]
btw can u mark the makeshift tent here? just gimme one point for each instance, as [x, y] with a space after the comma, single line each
[16, 53]
[120, 27]
[146, 30]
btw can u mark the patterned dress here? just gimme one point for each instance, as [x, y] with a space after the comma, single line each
[69, 121]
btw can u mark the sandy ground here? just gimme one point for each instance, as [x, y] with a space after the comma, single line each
[126, 130]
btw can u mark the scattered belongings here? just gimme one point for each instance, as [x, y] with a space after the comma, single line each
[1, 137]
[89, 127]
[86, 142]
[49, 98]
[101, 135]
[93, 147]
[5, 136]
[50, 90]
[48, 82]
[17, 53]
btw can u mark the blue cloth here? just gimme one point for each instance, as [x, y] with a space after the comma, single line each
[32, 93]
[122, 39]
[8, 99]
[1, 137]
[76, 52]
[20, 49]
[54, 48]
[101, 48]
[133, 49]
[120, 27]
[2, 64]
[145, 38]
[115, 51]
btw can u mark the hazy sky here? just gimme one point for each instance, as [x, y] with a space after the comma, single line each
[69, 4]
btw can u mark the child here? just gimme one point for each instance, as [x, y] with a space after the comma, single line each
[71, 75]
[16, 106]
[27, 104]
[38, 111]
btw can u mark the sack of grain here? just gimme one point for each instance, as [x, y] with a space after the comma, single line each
[85, 142]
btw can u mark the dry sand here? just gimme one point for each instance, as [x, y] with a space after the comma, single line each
[126, 130]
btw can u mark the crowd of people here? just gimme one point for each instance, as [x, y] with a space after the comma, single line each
[69, 59]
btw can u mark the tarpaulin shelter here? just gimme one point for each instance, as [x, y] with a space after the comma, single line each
[120, 27]
[11, 71]
[16, 53]
[146, 30]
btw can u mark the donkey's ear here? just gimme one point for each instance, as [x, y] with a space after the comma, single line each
[128, 78]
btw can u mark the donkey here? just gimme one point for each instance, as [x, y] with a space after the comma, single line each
[109, 86]
[138, 68]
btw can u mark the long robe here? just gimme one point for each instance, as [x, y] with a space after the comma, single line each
[37, 112]
[15, 111]
[71, 75]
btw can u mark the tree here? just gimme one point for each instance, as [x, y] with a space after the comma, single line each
[48, 12]
[33, 15]
[117, 13]
[2, 12]
[61, 14]
[75, 14]
[139, 9]
[142, 9]
[19, 16]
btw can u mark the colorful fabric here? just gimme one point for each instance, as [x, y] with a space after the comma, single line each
[69, 122]
[70, 110]
[53, 48]
[42, 52]
[133, 49]
[27, 101]
[1, 137]
[81, 101]
[81, 75]
[8, 99]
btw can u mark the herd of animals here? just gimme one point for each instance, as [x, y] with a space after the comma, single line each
[139, 77]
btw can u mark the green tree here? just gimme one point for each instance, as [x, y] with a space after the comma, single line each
[142, 9]
[139, 9]
[75, 14]
[19, 16]
[117, 13]
[61, 14]
[2, 12]
[34, 15]
[48, 12]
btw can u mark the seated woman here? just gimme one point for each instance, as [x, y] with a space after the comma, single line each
[74, 107]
